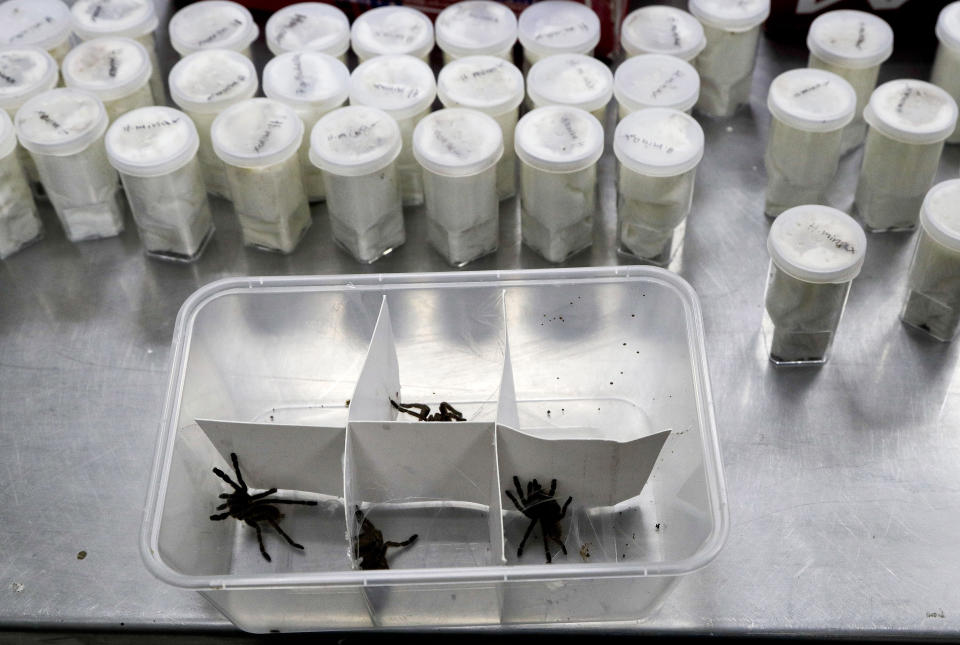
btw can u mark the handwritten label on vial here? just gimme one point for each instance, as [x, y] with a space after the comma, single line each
[861, 35]
[650, 144]
[835, 239]
[50, 121]
[675, 31]
[227, 88]
[404, 91]
[405, 35]
[271, 125]
[217, 34]
[46, 20]
[810, 88]
[562, 31]
[302, 85]
[449, 145]
[668, 84]
[295, 20]
[483, 16]
[112, 63]
[151, 125]
[479, 74]
[107, 10]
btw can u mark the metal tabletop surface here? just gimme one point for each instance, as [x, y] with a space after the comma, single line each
[843, 482]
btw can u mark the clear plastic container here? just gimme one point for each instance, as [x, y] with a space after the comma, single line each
[203, 84]
[458, 149]
[114, 69]
[43, 23]
[809, 110]
[658, 150]
[815, 253]
[20, 225]
[312, 83]
[213, 24]
[853, 45]
[571, 79]
[357, 147]
[909, 123]
[732, 30]
[258, 141]
[155, 151]
[392, 30]
[557, 27]
[63, 131]
[660, 29]
[311, 26]
[558, 148]
[494, 87]
[946, 65]
[476, 28]
[655, 80]
[403, 87]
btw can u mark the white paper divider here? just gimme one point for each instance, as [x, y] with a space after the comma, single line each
[379, 380]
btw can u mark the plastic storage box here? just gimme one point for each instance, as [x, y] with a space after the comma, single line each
[596, 377]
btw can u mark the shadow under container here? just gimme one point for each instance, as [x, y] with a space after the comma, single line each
[815, 253]
[392, 30]
[309, 26]
[213, 24]
[661, 29]
[114, 69]
[655, 80]
[476, 28]
[575, 80]
[19, 223]
[945, 72]
[43, 23]
[553, 27]
[155, 151]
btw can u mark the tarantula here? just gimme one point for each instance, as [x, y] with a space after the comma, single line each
[447, 412]
[369, 545]
[541, 507]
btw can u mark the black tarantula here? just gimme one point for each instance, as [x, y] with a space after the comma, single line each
[542, 507]
[422, 411]
[369, 545]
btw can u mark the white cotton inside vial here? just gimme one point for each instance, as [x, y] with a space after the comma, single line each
[655, 80]
[661, 29]
[19, 222]
[476, 28]
[571, 79]
[116, 70]
[392, 30]
[557, 27]
[309, 26]
[213, 24]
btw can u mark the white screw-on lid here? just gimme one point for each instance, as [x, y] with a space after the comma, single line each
[307, 79]
[850, 38]
[212, 24]
[25, 72]
[314, 26]
[110, 67]
[151, 141]
[558, 138]
[208, 81]
[658, 142]
[61, 122]
[570, 79]
[355, 140]
[391, 30]
[44, 23]
[948, 25]
[129, 18]
[940, 214]
[814, 100]
[659, 29]
[476, 27]
[8, 136]
[730, 15]
[656, 80]
[457, 142]
[817, 244]
[485, 83]
[400, 85]
[256, 132]
[912, 111]
[558, 27]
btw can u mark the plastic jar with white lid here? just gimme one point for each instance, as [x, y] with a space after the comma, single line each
[558, 148]
[458, 149]
[258, 141]
[392, 30]
[213, 24]
[492, 86]
[19, 223]
[155, 151]
[658, 150]
[357, 148]
[310, 26]
[660, 29]
[655, 80]
[557, 27]
[909, 122]
[476, 28]
[114, 69]
[946, 65]
[732, 30]
[43, 23]
[203, 84]
[571, 79]
[403, 87]
[312, 83]
[815, 253]
[63, 131]
[851, 44]
[135, 19]
[809, 110]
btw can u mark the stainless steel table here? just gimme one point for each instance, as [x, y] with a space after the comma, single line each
[843, 481]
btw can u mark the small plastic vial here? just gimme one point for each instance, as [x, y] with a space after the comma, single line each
[932, 303]
[458, 149]
[357, 148]
[658, 150]
[310, 26]
[155, 151]
[571, 79]
[403, 87]
[203, 84]
[732, 29]
[135, 19]
[815, 253]
[43, 23]
[213, 24]
[659, 29]
[258, 141]
[476, 28]
[810, 108]
[946, 65]
[909, 122]
[114, 69]
[63, 131]
[655, 80]
[312, 84]
[558, 147]
[19, 223]
[853, 45]
[392, 30]
[557, 27]
[492, 86]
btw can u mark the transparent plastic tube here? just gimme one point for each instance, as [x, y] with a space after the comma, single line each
[213, 169]
[946, 74]
[726, 69]
[462, 215]
[652, 213]
[411, 181]
[863, 81]
[932, 303]
[366, 212]
[507, 166]
[141, 97]
[156, 75]
[19, 223]
[556, 210]
[800, 166]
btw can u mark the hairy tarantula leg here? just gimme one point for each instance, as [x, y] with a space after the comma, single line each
[525, 536]
[410, 540]
[514, 500]
[450, 411]
[222, 506]
[236, 468]
[280, 500]
[516, 482]
[286, 537]
[221, 516]
[263, 551]
[265, 493]
[553, 488]
[565, 505]
[563, 547]
[546, 548]
[225, 477]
